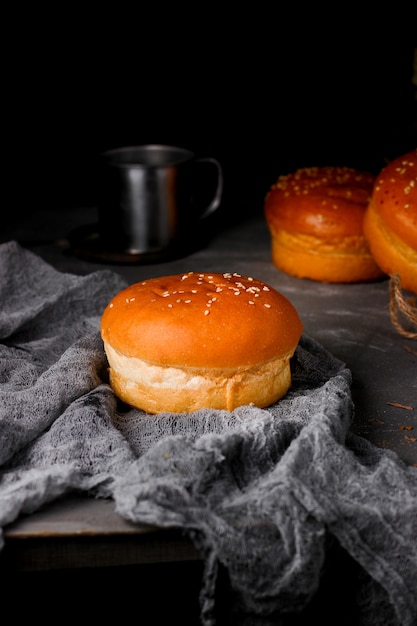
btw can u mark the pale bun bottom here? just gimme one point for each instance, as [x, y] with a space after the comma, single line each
[347, 260]
[156, 389]
[391, 253]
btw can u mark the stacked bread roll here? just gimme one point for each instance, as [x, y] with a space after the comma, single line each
[315, 217]
[200, 340]
[338, 224]
[390, 224]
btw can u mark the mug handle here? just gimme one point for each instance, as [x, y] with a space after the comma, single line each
[215, 203]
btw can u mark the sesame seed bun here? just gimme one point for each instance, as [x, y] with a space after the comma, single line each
[198, 340]
[390, 224]
[315, 217]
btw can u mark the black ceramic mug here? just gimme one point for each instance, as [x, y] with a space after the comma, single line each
[152, 199]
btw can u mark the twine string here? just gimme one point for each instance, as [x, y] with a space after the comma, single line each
[402, 309]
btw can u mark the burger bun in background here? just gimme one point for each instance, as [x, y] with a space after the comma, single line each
[315, 218]
[390, 223]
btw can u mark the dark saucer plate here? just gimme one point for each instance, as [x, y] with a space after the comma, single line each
[85, 243]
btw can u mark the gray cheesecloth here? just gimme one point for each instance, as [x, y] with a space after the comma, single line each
[262, 494]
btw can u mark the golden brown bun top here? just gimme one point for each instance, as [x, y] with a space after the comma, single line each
[320, 201]
[395, 197]
[201, 320]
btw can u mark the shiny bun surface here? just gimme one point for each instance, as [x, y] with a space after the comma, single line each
[390, 223]
[183, 342]
[315, 217]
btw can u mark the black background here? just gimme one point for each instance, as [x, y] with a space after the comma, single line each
[265, 92]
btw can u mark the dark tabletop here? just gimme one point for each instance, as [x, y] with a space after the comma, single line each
[351, 321]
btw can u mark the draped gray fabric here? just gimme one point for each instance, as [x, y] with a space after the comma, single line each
[263, 494]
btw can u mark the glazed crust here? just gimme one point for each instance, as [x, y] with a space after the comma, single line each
[177, 343]
[390, 223]
[315, 217]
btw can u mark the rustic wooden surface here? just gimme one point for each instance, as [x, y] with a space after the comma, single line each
[351, 321]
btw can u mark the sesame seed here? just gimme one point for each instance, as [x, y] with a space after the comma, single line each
[206, 312]
[111, 305]
[267, 306]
